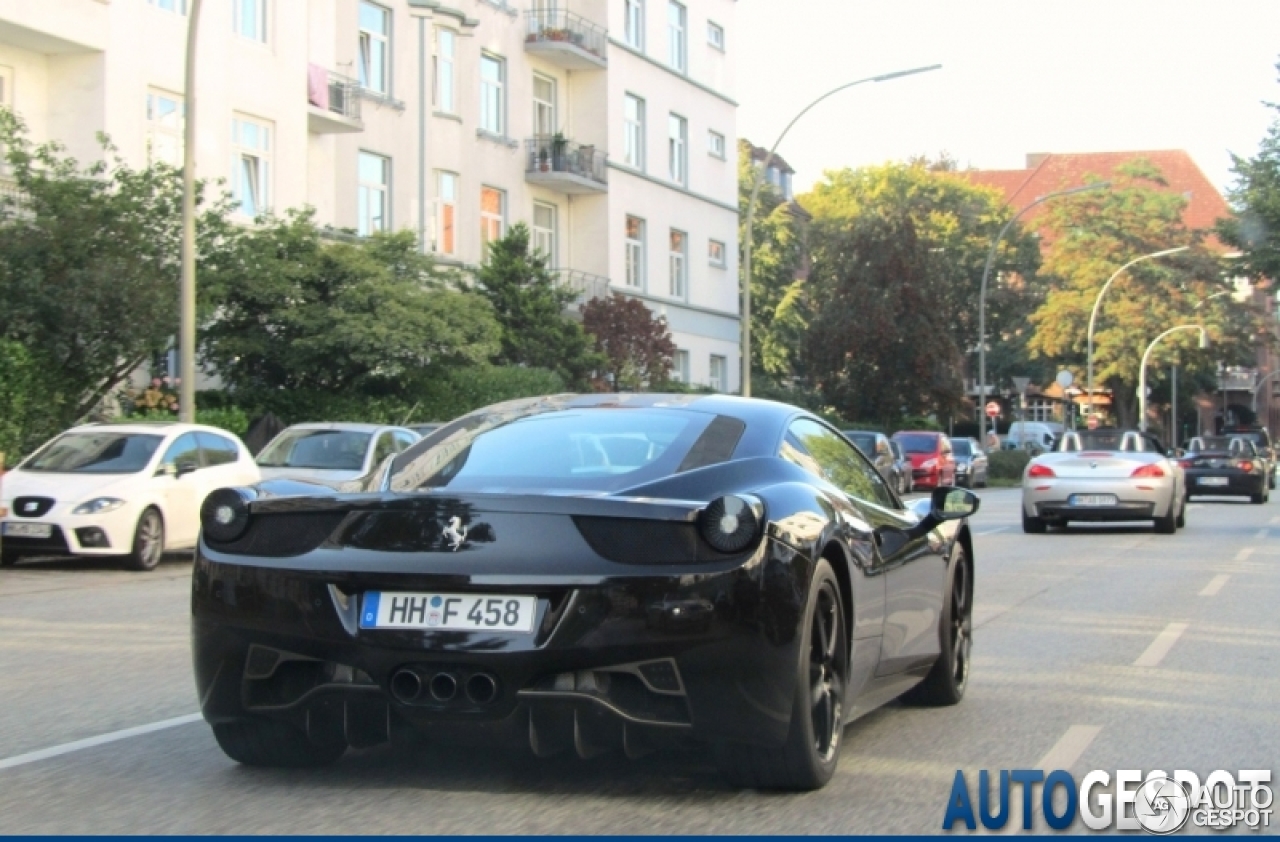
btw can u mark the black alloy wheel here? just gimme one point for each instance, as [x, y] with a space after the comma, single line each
[946, 682]
[808, 758]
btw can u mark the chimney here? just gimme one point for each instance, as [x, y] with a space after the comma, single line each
[1035, 159]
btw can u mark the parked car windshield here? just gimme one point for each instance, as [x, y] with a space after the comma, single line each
[866, 442]
[918, 442]
[961, 447]
[95, 453]
[583, 449]
[338, 450]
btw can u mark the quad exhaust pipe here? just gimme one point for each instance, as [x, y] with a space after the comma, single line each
[408, 687]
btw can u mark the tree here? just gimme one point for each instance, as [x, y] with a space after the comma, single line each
[299, 312]
[1255, 198]
[636, 347]
[898, 253]
[1093, 234]
[530, 306]
[89, 265]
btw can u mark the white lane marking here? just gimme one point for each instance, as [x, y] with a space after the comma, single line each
[1262, 535]
[1067, 750]
[1243, 554]
[1161, 645]
[992, 531]
[1215, 585]
[102, 739]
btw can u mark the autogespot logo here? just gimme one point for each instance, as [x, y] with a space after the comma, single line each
[1158, 803]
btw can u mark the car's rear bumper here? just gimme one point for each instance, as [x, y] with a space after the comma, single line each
[711, 656]
[1237, 484]
[1122, 511]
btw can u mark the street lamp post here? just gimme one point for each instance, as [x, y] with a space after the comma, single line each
[1093, 317]
[1142, 370]
[1258, 385]
[187, 296]
[751, 212]
[982, 293]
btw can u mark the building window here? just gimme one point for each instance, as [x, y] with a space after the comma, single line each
[679, 274]
[446, 213]
[493, 214]
[493, 106]
[635, 252]
[375, 48]
[176, 6]
[680, 366]
[676, 158]
[544, 231]
[249, 19]
[717, 379]
[375, 179]
[164, 127]
[633, 26]
[716, 254]
[715, 144]
[544, 105]
[251, 165]
[715, 35]
[633, 134]
[676, 49]
[444, 97]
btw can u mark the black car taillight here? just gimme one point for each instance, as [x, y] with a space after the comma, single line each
[224, 515]
[731, 523]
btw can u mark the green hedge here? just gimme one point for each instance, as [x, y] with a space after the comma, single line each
[27, 415]
[1007, 464]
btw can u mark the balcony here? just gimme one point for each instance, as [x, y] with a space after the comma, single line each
[1237, 380]
[565, 39]
[333, 102]
[586, 285]
[560, 164]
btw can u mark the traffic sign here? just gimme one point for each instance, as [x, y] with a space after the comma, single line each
[993, 410]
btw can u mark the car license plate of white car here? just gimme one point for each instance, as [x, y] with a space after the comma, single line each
[27, 530]
[1092, 500]
[1212, 481]
[446, 611]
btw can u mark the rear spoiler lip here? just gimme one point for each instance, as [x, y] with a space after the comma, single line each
[646, 508]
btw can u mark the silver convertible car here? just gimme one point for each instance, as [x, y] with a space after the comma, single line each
[1104, 475]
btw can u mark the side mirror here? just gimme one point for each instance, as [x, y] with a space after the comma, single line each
[185, 468]
[953, 503]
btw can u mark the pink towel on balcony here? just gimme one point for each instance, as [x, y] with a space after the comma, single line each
[318, 86]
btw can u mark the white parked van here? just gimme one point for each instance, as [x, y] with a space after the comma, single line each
[1033, 435]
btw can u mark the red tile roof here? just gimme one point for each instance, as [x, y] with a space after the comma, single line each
[1048, 172]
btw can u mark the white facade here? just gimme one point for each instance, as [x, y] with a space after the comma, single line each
[453, 118]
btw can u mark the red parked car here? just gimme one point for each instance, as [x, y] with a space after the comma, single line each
[932, 462]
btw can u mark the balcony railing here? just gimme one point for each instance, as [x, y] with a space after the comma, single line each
[586, 285]
[570, 40]
[561, 164]
[1237, 380]
[334, 101]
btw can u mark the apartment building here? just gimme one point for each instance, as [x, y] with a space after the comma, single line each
[607, 126]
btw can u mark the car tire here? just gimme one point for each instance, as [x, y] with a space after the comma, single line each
[1033, 525]
[1182, 515]
[1271, 482]
[1259, 498]
[274, 744]
[1168, 524]
[808, 758]
[148, 541]
[946, 682]
[8, 558]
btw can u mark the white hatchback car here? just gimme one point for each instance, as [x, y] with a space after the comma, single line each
[331, 452]
[131, 490]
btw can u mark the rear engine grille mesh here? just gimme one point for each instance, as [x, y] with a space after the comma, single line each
[285, 534]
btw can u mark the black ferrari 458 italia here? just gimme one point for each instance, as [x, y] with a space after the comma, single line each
[590, 573]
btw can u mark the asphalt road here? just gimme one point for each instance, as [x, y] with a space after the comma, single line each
[1101, 648]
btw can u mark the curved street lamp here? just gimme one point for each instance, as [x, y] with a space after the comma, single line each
[751, 212]
[982, 297]
[187, 294]
[1093, 317]
[1142, 370]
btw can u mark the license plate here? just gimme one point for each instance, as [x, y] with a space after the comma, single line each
[456, 612]
[1092, 500]
[1213, 481]
[27, 530]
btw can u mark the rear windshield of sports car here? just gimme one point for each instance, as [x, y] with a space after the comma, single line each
[598, 450]
[95, 453]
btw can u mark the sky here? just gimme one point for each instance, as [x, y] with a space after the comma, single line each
[1017, 77]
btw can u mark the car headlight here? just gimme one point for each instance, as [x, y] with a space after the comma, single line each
[98, 506]
[929, 463]
[731, 523]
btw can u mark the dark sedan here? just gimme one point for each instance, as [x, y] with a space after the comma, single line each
[586, 573]
[1225, 466]
[971, 463]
